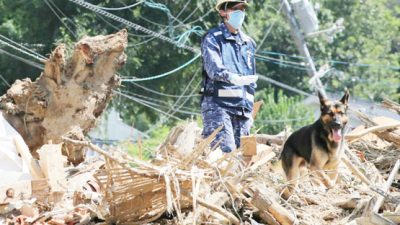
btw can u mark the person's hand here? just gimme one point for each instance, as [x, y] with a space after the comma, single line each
[243, 80]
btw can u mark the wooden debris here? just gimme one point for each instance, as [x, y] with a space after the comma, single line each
[33, 166]
[386, 186]
[211, 187]
[70, 94]
[256, 108]
[249, 145]
[391, 136]
[51, 163]
[353, 136]
[269, 139]
[391, 105]
[263, 200]
[219, 210]
[355, 171]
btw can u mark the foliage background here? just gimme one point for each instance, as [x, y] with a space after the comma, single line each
[371, 36]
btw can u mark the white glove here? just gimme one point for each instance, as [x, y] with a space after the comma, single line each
[243, 80]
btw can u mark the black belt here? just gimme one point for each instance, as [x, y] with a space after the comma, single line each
[206, 93]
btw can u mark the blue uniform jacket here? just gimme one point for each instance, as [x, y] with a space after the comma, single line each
[225, 54]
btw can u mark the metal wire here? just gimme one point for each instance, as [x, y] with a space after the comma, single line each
[94, 8]
[121, 8]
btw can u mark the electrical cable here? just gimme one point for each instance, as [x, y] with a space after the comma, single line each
[283, 120]
[29, 62]
[334, 61]
[149, 106]
[157, 101]
[121, 8]
[30, 51]
[175, 107]
[282, 85]
[4, 80]
[163, 106]
[118, 28]
[59, 18]
[269, 29]
[279, 60]
[130, 24]
[164, 74]
[282, 64]
[163, 94]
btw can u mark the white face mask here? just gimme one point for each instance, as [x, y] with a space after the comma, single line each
[236, 19]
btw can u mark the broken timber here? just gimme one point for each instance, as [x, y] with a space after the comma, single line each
[70, 94]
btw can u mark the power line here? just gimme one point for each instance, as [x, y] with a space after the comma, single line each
[118, 28]
[59, 18]
[202, 17]
[164, 74]
[277, 62]
[157, 101]
[61, 12]
[159, 106]
[191, 14]
[282, 85]
[27, 61]
[183, 9]
[283, 120]
[22, 49]
[121, 8]
[163, 94]
[334, 61]
[173, 109]
[269, 29]
[4, 80]
[147, 105]
[130, 24]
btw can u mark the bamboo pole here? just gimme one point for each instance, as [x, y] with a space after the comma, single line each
[386, 187]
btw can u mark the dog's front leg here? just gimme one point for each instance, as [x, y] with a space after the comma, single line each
[331, 169]
[321, 174]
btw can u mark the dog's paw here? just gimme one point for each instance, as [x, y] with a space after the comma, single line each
[329, 184]
[286, 193]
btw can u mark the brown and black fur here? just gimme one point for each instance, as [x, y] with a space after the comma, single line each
[314, 145]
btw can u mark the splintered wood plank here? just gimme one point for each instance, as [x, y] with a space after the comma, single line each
[26, 155]
[51, 162]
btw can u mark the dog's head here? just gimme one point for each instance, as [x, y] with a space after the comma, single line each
[334, 115]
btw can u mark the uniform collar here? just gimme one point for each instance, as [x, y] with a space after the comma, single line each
[228, 35]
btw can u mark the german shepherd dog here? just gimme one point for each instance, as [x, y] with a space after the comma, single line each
[317, 145]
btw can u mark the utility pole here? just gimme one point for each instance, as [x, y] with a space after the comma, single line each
[302, 46]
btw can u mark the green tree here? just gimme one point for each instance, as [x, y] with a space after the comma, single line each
[278, 113]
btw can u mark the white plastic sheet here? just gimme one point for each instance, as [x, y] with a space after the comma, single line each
[12, 167]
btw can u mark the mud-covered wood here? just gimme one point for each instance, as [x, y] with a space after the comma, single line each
[69, 95]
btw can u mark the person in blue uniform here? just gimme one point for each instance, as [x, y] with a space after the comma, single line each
[229, 77]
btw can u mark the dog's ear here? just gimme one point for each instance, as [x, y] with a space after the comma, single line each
[345, 98]
[322, 98]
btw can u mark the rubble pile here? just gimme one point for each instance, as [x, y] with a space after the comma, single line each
[189, 183]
